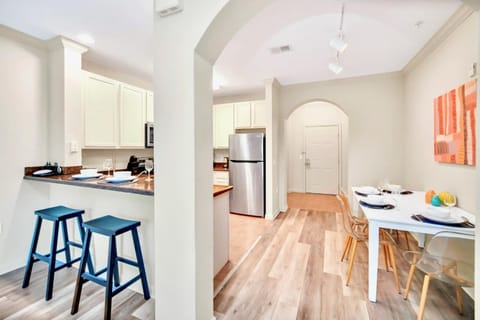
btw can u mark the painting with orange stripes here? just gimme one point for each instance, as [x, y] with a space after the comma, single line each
[454, 126]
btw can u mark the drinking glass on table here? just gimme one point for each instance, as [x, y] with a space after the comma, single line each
[149, 167]
[108, 165]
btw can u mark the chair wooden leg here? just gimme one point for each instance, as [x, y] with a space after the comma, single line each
[346, 249]
[406, 239]
[394, 266]
[386, 257]
[423, 298]
[409, 281]
[459, 300]
[352, 258]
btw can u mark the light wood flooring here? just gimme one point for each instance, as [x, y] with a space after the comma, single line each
[293, 272]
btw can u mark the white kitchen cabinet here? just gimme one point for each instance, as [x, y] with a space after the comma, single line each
[149, 102]
[114, 113]
[242, 115]
[222, 125]
[132, 116]
[220, 178]
[251, 114]
[259, 114]
[100, 101]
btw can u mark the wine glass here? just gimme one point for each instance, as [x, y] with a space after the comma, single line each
[108, 165]
[148, 167]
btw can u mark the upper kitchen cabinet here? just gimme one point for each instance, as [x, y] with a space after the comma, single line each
[250, 114]
[222, 125]
[132, 116]
[100, 102]
[149, 99]
[114, 113]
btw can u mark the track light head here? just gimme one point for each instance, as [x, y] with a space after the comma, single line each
[335, 67]
[338, 44]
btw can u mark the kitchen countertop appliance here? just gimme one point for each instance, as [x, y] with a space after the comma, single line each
[247, 173]
[137, 164]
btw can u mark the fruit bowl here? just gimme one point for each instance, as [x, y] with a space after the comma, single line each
[439, 212]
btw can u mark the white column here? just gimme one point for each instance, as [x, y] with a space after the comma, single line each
[65, 108]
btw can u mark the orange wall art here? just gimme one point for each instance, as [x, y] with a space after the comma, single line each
[454, 127]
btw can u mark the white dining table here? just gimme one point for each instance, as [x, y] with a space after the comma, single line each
[399, 218]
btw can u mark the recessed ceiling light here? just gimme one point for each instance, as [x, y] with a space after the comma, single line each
[85, 38]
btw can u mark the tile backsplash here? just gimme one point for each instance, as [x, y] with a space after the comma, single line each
[93, 158]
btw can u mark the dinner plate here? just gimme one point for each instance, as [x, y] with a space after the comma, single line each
[86, 176]
[386, 206]
[451, 219]
[368, 190]
[119, 179]
[42, 172]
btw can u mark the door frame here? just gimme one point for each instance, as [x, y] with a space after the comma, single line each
[339, 153]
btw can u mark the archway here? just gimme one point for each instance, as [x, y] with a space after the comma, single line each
[308, 116]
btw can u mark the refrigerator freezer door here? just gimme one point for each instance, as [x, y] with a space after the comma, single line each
[247, 196]
[246, 147]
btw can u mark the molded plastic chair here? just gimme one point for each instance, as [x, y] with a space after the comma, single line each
[357, 231]
[447, 257]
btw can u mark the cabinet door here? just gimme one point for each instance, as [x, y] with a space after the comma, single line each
[223, 123]
[132, 116]
[259, 114]
[242, 115]
[100, 101]
[149, 106]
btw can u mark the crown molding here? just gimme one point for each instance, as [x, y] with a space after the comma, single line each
[21, 37]
[60, 42]
[438, 38]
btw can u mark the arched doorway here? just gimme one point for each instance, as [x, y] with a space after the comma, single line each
[317, 148]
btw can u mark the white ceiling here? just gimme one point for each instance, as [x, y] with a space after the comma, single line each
[382, 36]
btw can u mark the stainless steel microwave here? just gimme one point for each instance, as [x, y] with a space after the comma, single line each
[149, 135]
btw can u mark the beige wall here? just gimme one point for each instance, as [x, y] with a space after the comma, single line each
[439, 72]
[373, 105]
[24, 132]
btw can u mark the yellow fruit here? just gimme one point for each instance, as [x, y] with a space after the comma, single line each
[447, 198]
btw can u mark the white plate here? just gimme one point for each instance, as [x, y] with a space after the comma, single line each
[451, 219]
[374, 200]
[119, 179]
[42, 172]
[86, 176]
[368, 190]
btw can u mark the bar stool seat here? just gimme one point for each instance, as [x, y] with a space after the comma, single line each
[59, 216]
[111, 227]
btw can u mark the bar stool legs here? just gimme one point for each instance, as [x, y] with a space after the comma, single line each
[33, 248]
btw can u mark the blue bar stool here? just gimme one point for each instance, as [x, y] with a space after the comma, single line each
[111, 227]
[59, 216]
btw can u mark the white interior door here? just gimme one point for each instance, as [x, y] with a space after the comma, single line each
[321, 159]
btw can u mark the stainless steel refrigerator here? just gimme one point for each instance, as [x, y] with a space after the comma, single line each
[247, 173]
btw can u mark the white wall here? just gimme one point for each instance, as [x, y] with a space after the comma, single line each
[444, 69]
[373, 105]
[314, 114]
[24, 132]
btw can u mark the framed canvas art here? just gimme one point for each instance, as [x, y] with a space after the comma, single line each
[454, 125]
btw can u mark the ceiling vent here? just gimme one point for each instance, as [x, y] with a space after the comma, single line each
[281, 49]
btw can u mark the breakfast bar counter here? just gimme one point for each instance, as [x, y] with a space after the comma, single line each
[138, 186]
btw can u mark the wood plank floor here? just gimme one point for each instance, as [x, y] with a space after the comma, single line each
[294, 272]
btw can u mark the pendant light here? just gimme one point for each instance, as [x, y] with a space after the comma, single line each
[339, 44]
